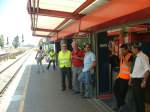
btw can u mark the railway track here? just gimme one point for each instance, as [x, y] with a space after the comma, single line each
[8, 74]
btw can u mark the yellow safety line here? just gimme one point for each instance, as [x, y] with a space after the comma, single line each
[21, 105]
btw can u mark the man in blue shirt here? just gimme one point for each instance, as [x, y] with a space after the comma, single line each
[88, 69]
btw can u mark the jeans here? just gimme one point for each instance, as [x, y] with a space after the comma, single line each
[40, 65]
[85, 78]
[76, 84]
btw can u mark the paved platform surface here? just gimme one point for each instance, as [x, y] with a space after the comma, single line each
[45, 95]
[41, 92]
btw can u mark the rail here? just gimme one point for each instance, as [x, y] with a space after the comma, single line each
[8, 73]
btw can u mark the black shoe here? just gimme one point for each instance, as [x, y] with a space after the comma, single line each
[70, 87]
[85, 97]
[63, 89]
[76, 92]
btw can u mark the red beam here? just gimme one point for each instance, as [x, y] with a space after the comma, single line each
[40, 35]
[116, 12]
[54, 13]
[143, 26]
[136, 16]
[45, 30]
[136, 29]
[62, 23]
[84, 5]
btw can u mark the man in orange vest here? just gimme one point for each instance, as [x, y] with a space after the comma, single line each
[121, 83]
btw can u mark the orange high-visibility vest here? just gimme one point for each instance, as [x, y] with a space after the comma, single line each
[124, 72]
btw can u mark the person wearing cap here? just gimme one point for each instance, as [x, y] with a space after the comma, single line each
[139, 76]
[64, 62]
[121, 82]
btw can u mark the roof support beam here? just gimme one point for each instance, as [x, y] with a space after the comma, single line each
[40, 35]
[83, 6]
[53, 13]
[45, 30]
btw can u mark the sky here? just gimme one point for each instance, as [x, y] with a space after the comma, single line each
[15, 20]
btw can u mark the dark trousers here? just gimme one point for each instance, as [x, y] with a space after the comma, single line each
[66, 72]
[138, 94]
[120, 91]
[51, 61]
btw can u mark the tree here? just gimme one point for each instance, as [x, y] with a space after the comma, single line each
[41, 43]
[22, 38]
[15, 42]
[7, 41]
[1, 41]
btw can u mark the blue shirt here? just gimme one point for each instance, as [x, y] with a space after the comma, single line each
[88, 60]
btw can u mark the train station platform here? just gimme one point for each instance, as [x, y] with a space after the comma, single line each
[41, 92]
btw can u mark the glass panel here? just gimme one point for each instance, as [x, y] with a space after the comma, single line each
[34, 3]
[41, 33]
[94, 6]
[66, 24]
[61, 5]
[52, 34]
[48, 22]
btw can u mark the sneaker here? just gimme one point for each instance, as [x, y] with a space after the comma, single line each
[76, 92]
[85, 97]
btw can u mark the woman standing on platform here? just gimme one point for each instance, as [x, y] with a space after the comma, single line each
[39, 57]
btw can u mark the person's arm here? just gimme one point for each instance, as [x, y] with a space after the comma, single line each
[77, 57]
[93, 65]
[37, 54]
[144, 81]
[58, 58]
[130, 62]
[93, 62]
[146, 66]
[80, 56]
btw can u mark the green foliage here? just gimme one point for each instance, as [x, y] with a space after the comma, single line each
[41, 43]
[7, 41]
[82, 42]
[22, 38]
[15, 42]
[1, 41]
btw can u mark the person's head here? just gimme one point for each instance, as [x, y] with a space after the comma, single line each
[74, 46]
[40, 48]
[64, 47]
[136, 47]
[124, 49]
[88, 47]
